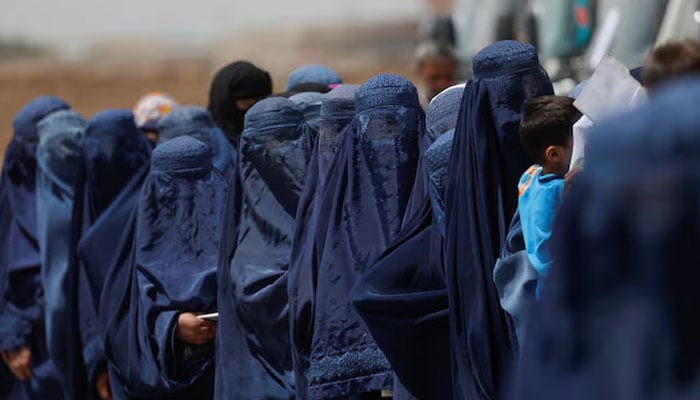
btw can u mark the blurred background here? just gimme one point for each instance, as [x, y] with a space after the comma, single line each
[99, 54]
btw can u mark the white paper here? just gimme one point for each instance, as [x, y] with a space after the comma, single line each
[611, 91]
[214, 317]
[581, 131]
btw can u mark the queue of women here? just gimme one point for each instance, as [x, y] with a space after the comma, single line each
[336, 241]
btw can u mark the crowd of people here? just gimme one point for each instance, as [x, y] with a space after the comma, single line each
[340, 241]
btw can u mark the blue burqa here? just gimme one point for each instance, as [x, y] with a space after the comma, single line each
[402, 297]
[167, 266]
[486, 163]
[440, 118]
[309, 103]
[21, 311]
[618, 314]
[253, 346]
[337, 110]
[197, 122]
[368, 189]
[116, 155]
[59, 161]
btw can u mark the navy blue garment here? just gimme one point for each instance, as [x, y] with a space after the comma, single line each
[637, 74]
[7, 382]
[618, 315]
[309, 103]
[59, 160]
[116, 155]
[443, 112]
[437, 164]
[197, 122]
[441, 118]
[337, 110]
[313, 73]
[21, 292]
[171, 268]
[403, 297]
[403, 300]
[254, 358]
[486, 163]
[372, 181]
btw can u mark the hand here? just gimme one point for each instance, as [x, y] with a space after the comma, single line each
[19, 362]
[102, 385]
[193, 330]
[570, 176]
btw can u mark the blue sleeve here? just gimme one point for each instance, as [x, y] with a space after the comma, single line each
[21, 308]
[515, 278]
[93, 343]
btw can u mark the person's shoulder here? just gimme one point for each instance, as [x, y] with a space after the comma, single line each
[528, 177]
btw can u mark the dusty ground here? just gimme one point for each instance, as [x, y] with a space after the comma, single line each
[115, 75]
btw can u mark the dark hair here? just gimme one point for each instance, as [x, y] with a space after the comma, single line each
[671, 61]
[547, 121]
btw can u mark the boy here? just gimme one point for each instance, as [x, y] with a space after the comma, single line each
[546, 134]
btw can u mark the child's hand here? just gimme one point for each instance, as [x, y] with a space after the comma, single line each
[193, 330]
[19, 362]
[570, 176]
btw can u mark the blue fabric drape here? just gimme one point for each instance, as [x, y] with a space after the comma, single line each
[440, 118]
[309, 103]
[116, 155]
[486, 163]
[21, 311]
[254, 359]
[313, 73]
[166, 266]
[60, 160]
[403, 297]
[197, 122]
[337, 110]
[617, 317]
[403, 300]
[372, 180]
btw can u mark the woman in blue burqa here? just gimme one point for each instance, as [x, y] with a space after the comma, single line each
[402, 298]
[116, 160]
[337, 110]
[486, 163]
[367, 191]
[253, 347]
[60, 162]
[440, 118]
[196, 122]
[164, 275]
[22, 333]
[618, 315]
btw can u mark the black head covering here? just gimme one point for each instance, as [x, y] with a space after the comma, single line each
[240, 80]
